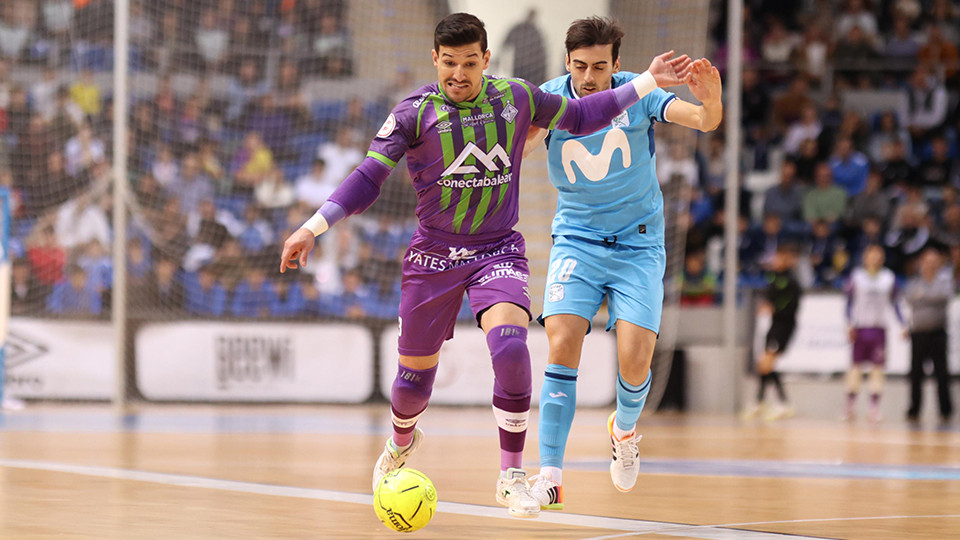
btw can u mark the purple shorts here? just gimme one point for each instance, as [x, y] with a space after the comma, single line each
[869, 346]
[436, 273]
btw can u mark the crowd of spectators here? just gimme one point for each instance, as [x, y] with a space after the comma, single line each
[218, 175]
[851, 130]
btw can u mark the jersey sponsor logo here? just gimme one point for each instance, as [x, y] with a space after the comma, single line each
[488, 160]
[481, 182]
[444, 127]
[555, 292]
[621, 121]
[477, 119]
[420, 100]
[501, 272]
[459, 254]
[594, 167]
[509, 112]
[388, 127]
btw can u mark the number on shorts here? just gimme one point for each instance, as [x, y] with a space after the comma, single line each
[561, 270]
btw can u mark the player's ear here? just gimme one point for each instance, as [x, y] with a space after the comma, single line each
[566, 58]
[486, 59]
[436, 58]
[616, 65]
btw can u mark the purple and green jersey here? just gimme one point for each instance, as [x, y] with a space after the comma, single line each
[464, 158]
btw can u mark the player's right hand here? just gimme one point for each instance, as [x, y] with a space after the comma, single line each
[669, 71]
[296, 249]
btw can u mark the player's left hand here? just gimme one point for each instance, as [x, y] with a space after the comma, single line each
[296, 249]
[669, 71]
[704, 81]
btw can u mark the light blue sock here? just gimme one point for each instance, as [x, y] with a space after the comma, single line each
[558, 402]
[630, 400]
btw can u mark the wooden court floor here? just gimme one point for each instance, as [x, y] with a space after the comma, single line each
[179, 472]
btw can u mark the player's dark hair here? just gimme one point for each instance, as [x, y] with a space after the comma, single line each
[459, 29]
[594, 31]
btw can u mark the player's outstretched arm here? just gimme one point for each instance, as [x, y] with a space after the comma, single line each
[704, 83]
[535, 136]
[354, 195]
[593, 112]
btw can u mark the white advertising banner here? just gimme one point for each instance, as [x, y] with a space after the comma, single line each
[59, 359]
[465, 375]
[821, 343]
[261, 361]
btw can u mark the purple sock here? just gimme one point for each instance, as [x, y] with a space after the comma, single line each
[511, 390]
[408, 399]
[851, 399]
[875, 399]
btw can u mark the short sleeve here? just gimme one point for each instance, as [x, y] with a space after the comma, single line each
[397, 134]
[547, 108]
[656, 103]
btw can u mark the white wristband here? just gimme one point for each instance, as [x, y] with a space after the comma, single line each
[317, 224]
[644, 83]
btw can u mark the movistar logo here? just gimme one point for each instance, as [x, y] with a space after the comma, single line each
[594, 167]
[487, 159]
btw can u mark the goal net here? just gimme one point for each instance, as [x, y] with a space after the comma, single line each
[242, 117]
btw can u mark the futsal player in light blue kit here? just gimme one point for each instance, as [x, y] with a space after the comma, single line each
[608, 242]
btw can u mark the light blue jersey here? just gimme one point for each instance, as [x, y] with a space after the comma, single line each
[607, 180]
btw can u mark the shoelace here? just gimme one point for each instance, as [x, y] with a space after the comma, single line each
[627, 451]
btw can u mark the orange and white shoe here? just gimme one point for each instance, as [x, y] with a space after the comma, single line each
[625, 465]
[547, 492]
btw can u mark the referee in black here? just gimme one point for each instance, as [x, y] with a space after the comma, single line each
[928, 295]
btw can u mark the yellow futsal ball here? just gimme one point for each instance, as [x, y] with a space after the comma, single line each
[405, 500]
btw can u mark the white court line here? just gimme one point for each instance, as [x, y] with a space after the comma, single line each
[578, 520]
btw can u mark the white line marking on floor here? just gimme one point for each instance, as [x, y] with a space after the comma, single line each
[578, 520]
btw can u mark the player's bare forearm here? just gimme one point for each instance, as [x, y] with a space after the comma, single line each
[534, 137]
[711, 116]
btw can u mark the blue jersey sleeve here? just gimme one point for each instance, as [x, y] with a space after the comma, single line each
[656, 103]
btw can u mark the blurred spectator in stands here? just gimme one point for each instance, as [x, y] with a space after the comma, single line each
[18, 111]
[49, 186]
[286, 299]
[678, 161]
[853, 57]
[529, 54]
[939, 51]
[139, 260]
[6, 85]
[164, 289]
[868, 232]
[713, 172]
[203, 293]
[896, 168]
[191, 186]
[210, 164]
[849, 166]
[166, 105]
[289, 96]
[888, 130]
[189, 130]
[43, 94]
[909, 234]
[253, 294]
[272, 124]
[350, 302]
[871, 202]
[255, 232]
[750, 247]
[45, 254]
[150, 196]
[807, 127]
[902, 46]
[243, 89]
[315, 302]
[17, 21]
[698, 286]
[856, 15]
[947, 233]
[312, 187]
[28, 295]
[825, 201]
[341, 155]
[331, 47]
[945, 14]
[788, 108]
[210, 226]
[27, 158]
[364, 125]
[85, 92]
[829, 259]
[80, 220]
[75, 295]
[785, 199]
[912, 201]
[927, 99]
[810, 57]
[756, 102]
[97, 262]
[84, 151]
[212, 40]
[251, 164]
[274, 191]
[142, 29]
[807, 159]
[935, 172]
[165, 168]
[777, 48]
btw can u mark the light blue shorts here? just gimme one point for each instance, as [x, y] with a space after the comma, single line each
[582, 272]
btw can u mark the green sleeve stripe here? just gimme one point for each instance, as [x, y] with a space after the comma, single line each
[533, 108]
[382, 159]
[556, 118]
[423, 107]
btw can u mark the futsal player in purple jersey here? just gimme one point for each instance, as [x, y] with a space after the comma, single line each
[463, 137]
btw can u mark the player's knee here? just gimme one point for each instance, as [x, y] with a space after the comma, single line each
[412, 389]
[511, 359]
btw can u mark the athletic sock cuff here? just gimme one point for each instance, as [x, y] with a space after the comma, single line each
[563, 373]
[635, 389]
